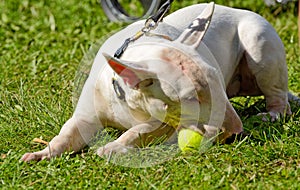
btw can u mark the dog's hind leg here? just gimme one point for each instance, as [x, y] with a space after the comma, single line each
[265, 57]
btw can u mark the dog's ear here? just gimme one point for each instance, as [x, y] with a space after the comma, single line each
[193, 35]
[131, 73]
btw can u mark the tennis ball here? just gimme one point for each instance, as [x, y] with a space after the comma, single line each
[189, 140]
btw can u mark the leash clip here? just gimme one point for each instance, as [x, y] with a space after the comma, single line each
[150, 24]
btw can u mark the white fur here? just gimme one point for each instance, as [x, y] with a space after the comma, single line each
[231, 35]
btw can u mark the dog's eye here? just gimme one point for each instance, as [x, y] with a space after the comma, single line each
[146, 83]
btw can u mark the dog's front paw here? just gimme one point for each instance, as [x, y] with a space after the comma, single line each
[35, 156]
[113, 147]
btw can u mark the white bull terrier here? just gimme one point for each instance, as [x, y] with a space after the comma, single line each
[177, 77]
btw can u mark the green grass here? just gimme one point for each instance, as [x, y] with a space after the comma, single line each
[41, 46]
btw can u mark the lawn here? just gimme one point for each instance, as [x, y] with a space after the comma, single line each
[41, 47]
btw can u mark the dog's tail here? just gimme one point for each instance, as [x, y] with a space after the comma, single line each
[294, 99]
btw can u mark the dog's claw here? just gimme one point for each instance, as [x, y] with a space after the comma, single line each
[270, 116]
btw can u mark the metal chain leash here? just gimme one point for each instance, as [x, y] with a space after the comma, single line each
[150, 24]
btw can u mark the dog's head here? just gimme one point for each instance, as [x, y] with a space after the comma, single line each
[170, 79]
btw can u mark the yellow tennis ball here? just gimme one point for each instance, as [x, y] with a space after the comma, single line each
[189, 140]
